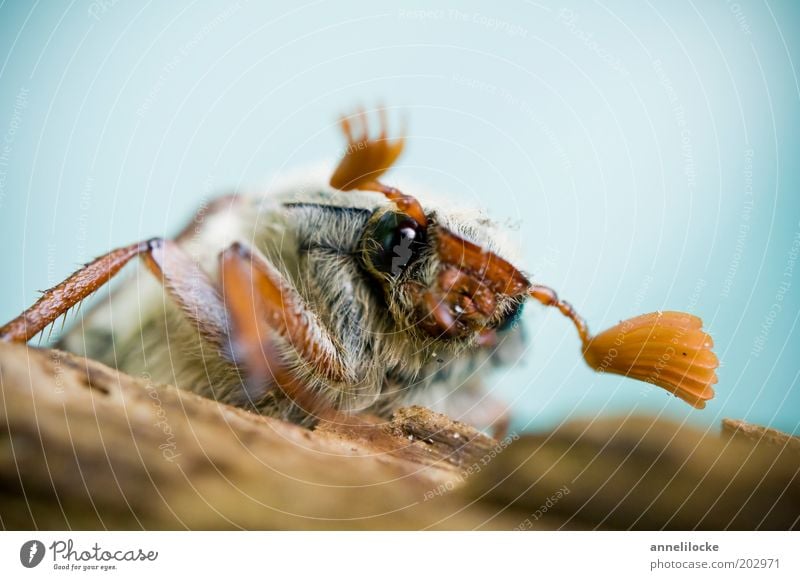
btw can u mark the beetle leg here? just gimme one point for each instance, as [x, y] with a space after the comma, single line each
[262, 303]
[184, 281]
[200, 301]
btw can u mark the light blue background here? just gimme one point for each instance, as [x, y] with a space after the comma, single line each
[647, 151]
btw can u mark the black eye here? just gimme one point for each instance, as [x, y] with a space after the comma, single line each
[395, 242]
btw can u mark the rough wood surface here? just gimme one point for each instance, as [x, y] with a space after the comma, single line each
[638, 473]
[83, 446]
[758, 434]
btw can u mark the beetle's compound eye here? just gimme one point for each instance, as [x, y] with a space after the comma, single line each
[395, 240]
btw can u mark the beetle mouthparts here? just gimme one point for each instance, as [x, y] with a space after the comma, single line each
[468, 283]
[492, 270]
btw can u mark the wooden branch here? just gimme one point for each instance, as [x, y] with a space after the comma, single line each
[85, 447]
[758, 434]
[641, 473]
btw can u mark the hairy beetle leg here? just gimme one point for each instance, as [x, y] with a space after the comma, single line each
[262, 303]
[250, 284]
[184, 281]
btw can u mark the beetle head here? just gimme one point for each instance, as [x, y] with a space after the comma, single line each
[436, 281]
[440, 283]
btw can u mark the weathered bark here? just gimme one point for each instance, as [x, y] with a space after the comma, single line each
[758, 434]
[638, 473]
[83, 446]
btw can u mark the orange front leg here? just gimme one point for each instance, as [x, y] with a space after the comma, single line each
[185, 283]
[262, 303]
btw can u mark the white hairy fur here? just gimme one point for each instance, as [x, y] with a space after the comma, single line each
[137, 328]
